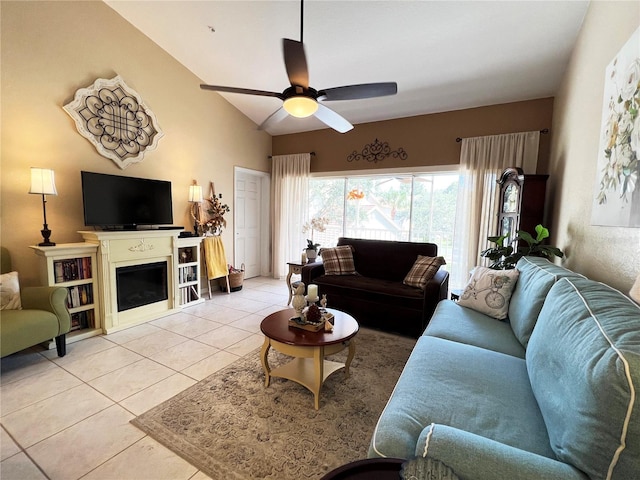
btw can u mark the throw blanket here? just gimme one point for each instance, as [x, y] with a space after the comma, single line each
[215, 258]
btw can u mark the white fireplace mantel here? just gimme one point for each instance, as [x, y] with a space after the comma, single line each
[126, 248]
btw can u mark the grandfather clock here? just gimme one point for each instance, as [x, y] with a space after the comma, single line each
[521, 204]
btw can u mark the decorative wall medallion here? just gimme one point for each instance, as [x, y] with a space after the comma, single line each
[376, 152]
[113, 117]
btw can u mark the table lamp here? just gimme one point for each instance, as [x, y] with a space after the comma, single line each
[195, 197]
[42, 183]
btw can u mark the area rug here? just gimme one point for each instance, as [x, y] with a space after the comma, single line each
[231, 426]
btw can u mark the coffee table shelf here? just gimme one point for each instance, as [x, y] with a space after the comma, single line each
[308, 349]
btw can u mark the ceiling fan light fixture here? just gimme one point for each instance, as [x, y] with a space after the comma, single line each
[300, 106]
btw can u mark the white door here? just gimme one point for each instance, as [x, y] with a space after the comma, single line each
[248, 193]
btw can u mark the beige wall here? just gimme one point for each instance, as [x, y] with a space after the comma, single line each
[430, 140]
[51, 49]
[607, 254]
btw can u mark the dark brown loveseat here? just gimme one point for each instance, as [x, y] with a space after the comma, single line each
[376, 296]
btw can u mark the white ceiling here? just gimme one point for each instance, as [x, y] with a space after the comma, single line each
[444, 55]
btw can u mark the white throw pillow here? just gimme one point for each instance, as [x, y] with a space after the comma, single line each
[10, 292]
[489, 291]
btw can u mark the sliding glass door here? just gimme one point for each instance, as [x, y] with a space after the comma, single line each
[405, 207]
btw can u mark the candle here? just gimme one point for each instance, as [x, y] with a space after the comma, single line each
[304, 258]
[312, 292]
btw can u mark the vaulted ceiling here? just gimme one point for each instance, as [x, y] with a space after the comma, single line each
[444, 55]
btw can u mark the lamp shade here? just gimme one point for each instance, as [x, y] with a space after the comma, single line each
[635, 290]
[195, 193]
[42, 181]
[300, 106]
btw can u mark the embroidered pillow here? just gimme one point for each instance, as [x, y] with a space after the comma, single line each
[338, 260]
[489, 291]
[423, 270]
[10, 292]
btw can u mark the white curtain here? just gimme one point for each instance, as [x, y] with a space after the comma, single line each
[290, 193]
[482, 160]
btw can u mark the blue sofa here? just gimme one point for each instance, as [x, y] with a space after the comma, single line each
[551, 393]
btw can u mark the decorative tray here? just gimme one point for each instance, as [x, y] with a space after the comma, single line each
[301, 323]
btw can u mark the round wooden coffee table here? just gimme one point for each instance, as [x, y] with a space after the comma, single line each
[308, 367]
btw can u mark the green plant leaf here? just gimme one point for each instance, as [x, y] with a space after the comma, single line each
[522, 235]
[552, 251]
[542, 233]
[498, 240]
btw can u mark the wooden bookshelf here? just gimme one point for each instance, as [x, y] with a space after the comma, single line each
[73, 266]
[189, 267]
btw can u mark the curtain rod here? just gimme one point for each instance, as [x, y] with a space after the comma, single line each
[313, 154]
[544, 131]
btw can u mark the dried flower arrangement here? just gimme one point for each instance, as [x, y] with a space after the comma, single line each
[215, 210]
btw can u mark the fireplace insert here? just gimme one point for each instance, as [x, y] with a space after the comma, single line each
[139, 285]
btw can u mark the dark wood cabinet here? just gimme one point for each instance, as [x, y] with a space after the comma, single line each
[521, 204]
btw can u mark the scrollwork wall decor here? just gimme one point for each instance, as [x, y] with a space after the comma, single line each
[376, 152]
[115, 119]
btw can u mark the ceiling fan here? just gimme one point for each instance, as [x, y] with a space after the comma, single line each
[300, 100]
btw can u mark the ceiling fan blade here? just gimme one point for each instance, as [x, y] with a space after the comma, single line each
[356, 92]
[274, 118]
[295, 61]
[332, 119]
[247, 91]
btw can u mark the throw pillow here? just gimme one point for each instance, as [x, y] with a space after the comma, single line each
[423, 270]
[338, 260]
[489, 291]
[10, 292]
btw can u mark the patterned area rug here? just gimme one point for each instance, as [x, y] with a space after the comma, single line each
[231, 426]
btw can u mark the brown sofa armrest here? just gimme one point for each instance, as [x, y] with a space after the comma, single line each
[311, 271]
[438, 286]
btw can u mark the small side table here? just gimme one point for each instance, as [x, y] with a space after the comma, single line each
[378, 468]
[294, 267]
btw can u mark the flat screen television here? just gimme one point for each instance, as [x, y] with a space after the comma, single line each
[113, 201]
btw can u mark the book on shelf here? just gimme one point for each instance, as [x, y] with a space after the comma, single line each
[72, 269]
[187, 274]
[194, 293]
[79, 295]
[84, 319]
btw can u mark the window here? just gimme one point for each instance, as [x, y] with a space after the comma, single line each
[405, 207]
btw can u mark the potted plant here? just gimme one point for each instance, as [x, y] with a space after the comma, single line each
[311, 250]
[319, 224]
[505, 257]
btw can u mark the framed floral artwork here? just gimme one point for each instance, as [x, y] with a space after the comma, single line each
[617, 195]
[114, 118]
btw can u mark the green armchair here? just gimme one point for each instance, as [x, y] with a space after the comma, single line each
[44, 316]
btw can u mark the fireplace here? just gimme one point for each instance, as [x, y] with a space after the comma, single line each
[139, 285]
[137, 275]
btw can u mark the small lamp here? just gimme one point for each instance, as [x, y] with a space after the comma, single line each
[635, 290]
[42, 183]
[195, 197]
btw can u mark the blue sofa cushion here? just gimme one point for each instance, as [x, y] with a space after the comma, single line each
[583, 360]
[537, 276]
[459, 324]
[466, 387]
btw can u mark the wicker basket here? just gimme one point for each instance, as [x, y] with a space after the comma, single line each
[236, 279]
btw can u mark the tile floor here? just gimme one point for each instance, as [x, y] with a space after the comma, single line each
[68, 418]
